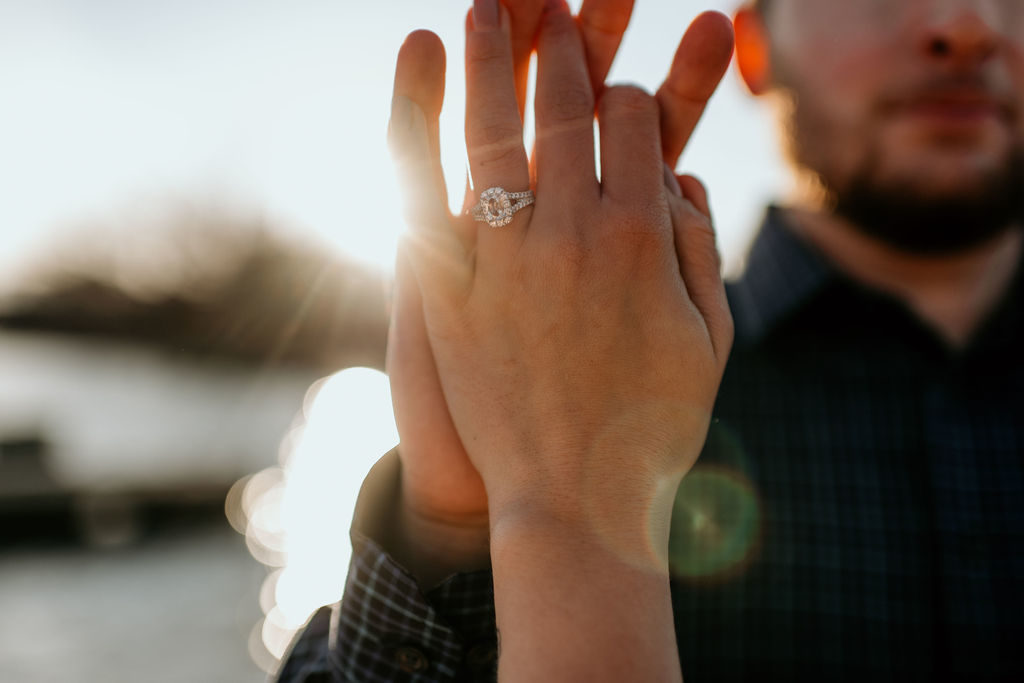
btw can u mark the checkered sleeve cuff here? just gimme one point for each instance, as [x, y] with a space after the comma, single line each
[386, 629]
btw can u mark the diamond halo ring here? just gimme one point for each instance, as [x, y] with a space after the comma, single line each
[496, 207]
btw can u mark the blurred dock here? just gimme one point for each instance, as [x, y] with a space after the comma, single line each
[178, 606]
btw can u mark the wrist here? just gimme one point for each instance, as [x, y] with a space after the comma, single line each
[631, 523]
[433, 547]
[555, 574]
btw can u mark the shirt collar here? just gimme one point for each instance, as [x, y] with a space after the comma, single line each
[782, 274]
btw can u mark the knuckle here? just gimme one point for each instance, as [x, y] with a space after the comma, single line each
[610, 20]
[501, 156]
[629, 100]
[644, 221]
[569, 105]
[495, 143]
[569, 252]
[484, 52]
[702, 224]
[676, 92]
[558, 26]
[709, 242]
[566, 256]
[639, 237]
[704, 252]
[693, 219]
[493, 134]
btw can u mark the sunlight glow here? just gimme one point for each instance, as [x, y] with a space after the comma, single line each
[297, 516]
[135, 104]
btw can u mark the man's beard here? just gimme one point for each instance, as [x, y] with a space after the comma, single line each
[901, 216]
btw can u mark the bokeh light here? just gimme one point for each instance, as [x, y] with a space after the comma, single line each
[296, 516]
[716, 524]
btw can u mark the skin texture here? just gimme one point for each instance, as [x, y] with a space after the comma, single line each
[910, 116]
[542, 333]
[441, 523]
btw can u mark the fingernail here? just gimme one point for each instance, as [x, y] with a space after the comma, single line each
[671, 181]
[486, 15]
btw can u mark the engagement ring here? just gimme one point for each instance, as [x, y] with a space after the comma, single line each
[496, 207]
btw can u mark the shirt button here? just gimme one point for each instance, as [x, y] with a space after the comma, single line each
[410, 659]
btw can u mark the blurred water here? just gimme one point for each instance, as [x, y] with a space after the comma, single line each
[178, 606]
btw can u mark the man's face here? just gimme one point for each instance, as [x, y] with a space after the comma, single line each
[909, 111]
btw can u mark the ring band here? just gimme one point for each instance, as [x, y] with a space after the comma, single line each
[496, 207]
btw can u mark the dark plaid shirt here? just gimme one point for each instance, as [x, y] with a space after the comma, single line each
[857, 514]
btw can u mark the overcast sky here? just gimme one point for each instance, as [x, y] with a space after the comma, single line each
[108, 107]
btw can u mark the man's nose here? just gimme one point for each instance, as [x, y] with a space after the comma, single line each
[962, 32]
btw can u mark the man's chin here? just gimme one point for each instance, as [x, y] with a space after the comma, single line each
[944, 217]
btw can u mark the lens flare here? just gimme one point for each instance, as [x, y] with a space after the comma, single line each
[716, 524]
[296, 517]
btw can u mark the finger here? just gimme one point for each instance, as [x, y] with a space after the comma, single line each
[441, 262]
[699, 262]
[494, 131]
[700, 62]
[420, 76]
[524, 18]
[693, 190]
[564, 106]
[408, 351]
[631, 165]
[419, 407]
[671, 182]
[602, 24]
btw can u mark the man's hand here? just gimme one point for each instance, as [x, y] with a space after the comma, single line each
[700, 61]
[441, 522]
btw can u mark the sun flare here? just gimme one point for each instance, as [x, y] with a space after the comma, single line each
[296, 517]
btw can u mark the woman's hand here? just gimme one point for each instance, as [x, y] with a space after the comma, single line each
[589, 326]
[579, 347]
[443, 512]
[441, 524]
